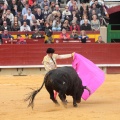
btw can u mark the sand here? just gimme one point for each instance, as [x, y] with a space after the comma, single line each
[104, 104]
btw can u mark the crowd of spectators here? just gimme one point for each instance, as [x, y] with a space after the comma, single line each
[47, 15]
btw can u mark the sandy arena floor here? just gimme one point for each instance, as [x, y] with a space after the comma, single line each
[104, 104]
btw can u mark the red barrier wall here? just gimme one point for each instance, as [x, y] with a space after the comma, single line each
[113, 70]
[33, 54]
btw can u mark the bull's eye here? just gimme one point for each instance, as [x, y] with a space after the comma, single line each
[63, 82]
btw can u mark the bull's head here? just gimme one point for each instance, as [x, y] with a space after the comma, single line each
[80, 92]
[79, 95]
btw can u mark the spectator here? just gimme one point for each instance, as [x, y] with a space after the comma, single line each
[24, 2]
[37, 34]
[16, 21]
[70, 3]
[72, 6]
[84, 10]
[38, 23]
[59, 15]
[9, 15]
[25, 9]
[52, 6]
[13, 7]
[94, 13]
[15, 26]
[6, 35]
[34, 11]
[98, 5]
[21, 40]
[92, 2]
[39, 2]
[104, 20]
[97, 10]
[66, 14]
[52, 16]
[64, 35]
[83, 19]
[30, 2]
[20, 5]
[48, 33]
[25, 27]
[58, 2]
[74, 35]
[35, 26]
[76, 21]
[5, 26]
[57, 8]
[25, 20]
[19, 15]
[75, 8]
[5, 2]
[26, 36]
[4, 18]
[29, 15]
[74, 26]
[83, 37]
[100, 40]
[39, 16]
[5, 7]
[44, 3]
[66, 25]
[46, 12]
[85, 26]
[74, 14]
[95, 23]
[56, 26]
[34, 7]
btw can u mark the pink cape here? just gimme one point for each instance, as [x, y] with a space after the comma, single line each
[91, 75]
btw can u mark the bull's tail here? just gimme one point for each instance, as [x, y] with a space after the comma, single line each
[85, 87]
[32, 95]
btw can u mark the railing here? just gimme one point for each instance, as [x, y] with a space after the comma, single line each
[27, 41]
[58, 40]
[113, 32]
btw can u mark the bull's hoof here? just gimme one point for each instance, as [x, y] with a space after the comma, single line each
[57, 104]
[65, 105]
[66, 101]
[75, 105]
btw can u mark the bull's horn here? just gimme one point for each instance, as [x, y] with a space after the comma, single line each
[88, 90]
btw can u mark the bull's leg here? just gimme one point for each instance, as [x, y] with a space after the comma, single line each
[65, 98]
[51, 92]
[74, 101]
[62, 97]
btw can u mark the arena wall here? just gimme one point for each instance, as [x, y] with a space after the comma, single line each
[16, 55]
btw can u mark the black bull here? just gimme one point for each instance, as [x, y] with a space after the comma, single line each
[65, 81]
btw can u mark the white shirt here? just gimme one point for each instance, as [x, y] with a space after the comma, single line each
[25, 28]
[48, 62]
[29, 17]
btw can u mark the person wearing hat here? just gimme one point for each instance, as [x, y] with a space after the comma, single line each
[49, 61]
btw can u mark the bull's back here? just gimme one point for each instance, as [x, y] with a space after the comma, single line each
[64, 77]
